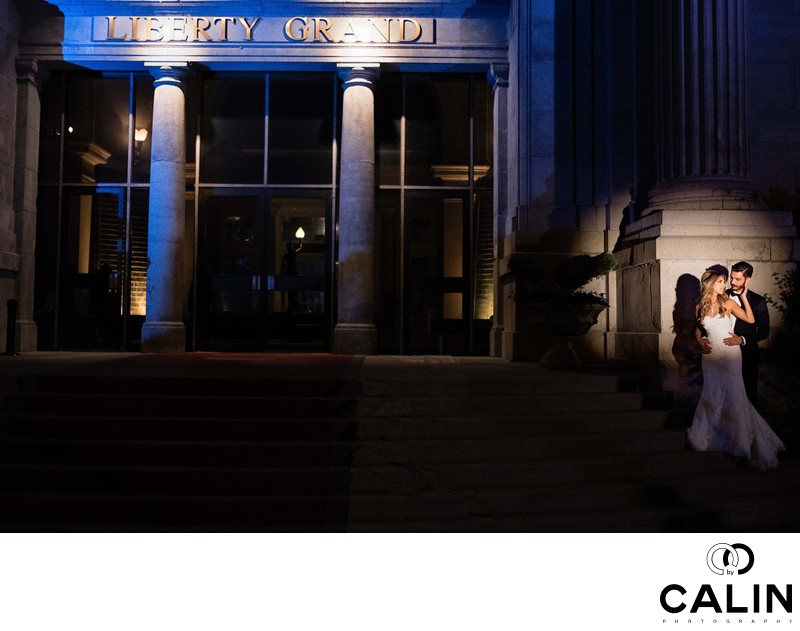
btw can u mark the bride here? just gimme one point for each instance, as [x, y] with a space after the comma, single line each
[725, 420]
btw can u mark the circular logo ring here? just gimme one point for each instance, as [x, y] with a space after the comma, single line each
[730, 557]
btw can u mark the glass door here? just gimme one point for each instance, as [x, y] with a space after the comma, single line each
[299, 285]
[231, 266]
[437, 289]
[85, 294]
[263, 272]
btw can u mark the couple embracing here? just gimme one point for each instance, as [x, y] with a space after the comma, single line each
[731, 323]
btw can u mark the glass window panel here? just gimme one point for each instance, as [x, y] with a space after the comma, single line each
[89, 307]
[301, 129]
[139, 209]
[388, 116]
[51, 132]
[483, 116]
[192, 104]
[96, 129]
[299, 257]
[143, 128]
[44, 298]
[232, 130]
[387, 251]
[437, 142]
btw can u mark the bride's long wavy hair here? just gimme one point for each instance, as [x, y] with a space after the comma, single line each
[707, 295]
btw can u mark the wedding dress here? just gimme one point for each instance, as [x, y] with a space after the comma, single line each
[725, 420]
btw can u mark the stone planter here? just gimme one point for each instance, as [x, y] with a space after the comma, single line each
[560, 321]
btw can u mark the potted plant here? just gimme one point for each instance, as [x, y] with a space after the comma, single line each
[550, 300]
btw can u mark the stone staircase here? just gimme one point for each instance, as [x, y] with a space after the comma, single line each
[530, 449]
[402, 444]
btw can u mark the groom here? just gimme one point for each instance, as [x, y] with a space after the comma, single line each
[747, 336]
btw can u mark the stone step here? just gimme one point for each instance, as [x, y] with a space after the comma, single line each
[176, 481]
[264, 429]
[32, 512]
[363, 453]
[519, 384]
[204, 479]
[552, 448]
[176, 428]
[513, 473]
[187, 386]
[759, 513]
[491, 405]
[536, 423]
[176, 453]
[693, 503]
[689, 502]
[200, 406]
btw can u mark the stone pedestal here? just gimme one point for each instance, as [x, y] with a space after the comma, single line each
[663, 257]
[163, 330]
[355, 331]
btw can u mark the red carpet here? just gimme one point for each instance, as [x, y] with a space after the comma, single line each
[224, 366]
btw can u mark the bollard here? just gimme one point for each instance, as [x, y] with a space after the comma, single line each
[11, 330]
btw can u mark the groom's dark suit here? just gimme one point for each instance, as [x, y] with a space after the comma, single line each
[752, 334]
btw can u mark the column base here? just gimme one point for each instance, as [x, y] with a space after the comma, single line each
[163, 337]
[355, 339]
[27, 336]
[496, 341]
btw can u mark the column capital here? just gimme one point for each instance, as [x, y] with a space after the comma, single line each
[497, 76]
[364, 74]
[29, 71]
[169, 72]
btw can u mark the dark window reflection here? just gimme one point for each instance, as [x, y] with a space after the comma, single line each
[388, 115]
[437, 145]
[90, 271]
[96, 129]
[51, 132]
[143, 128]
[300, 129]
[45, 287]
[483, 116]
[232, 130]
[387, 240]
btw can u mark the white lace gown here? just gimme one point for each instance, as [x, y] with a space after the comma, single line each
[725, 420]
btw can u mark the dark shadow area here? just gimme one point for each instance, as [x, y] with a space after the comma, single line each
[684, 323]
[196, 443]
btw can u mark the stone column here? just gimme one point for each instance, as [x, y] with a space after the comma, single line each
[163, 330]
[703, 210]
[355, 331]
[498, 79]
[26, 175]
[701, 103]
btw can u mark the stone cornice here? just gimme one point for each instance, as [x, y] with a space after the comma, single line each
[419, 8]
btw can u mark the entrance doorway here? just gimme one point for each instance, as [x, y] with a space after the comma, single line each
[435, 270]
[261, 162]
[436, 288]
[263, 271]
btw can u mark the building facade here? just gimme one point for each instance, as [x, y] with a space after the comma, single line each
[354, 177]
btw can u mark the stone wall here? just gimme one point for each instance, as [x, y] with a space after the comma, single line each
[9, 260]
[774, 101]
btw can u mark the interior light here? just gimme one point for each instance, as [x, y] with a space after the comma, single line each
[300, 234]
[140, 135]
[70, 129]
